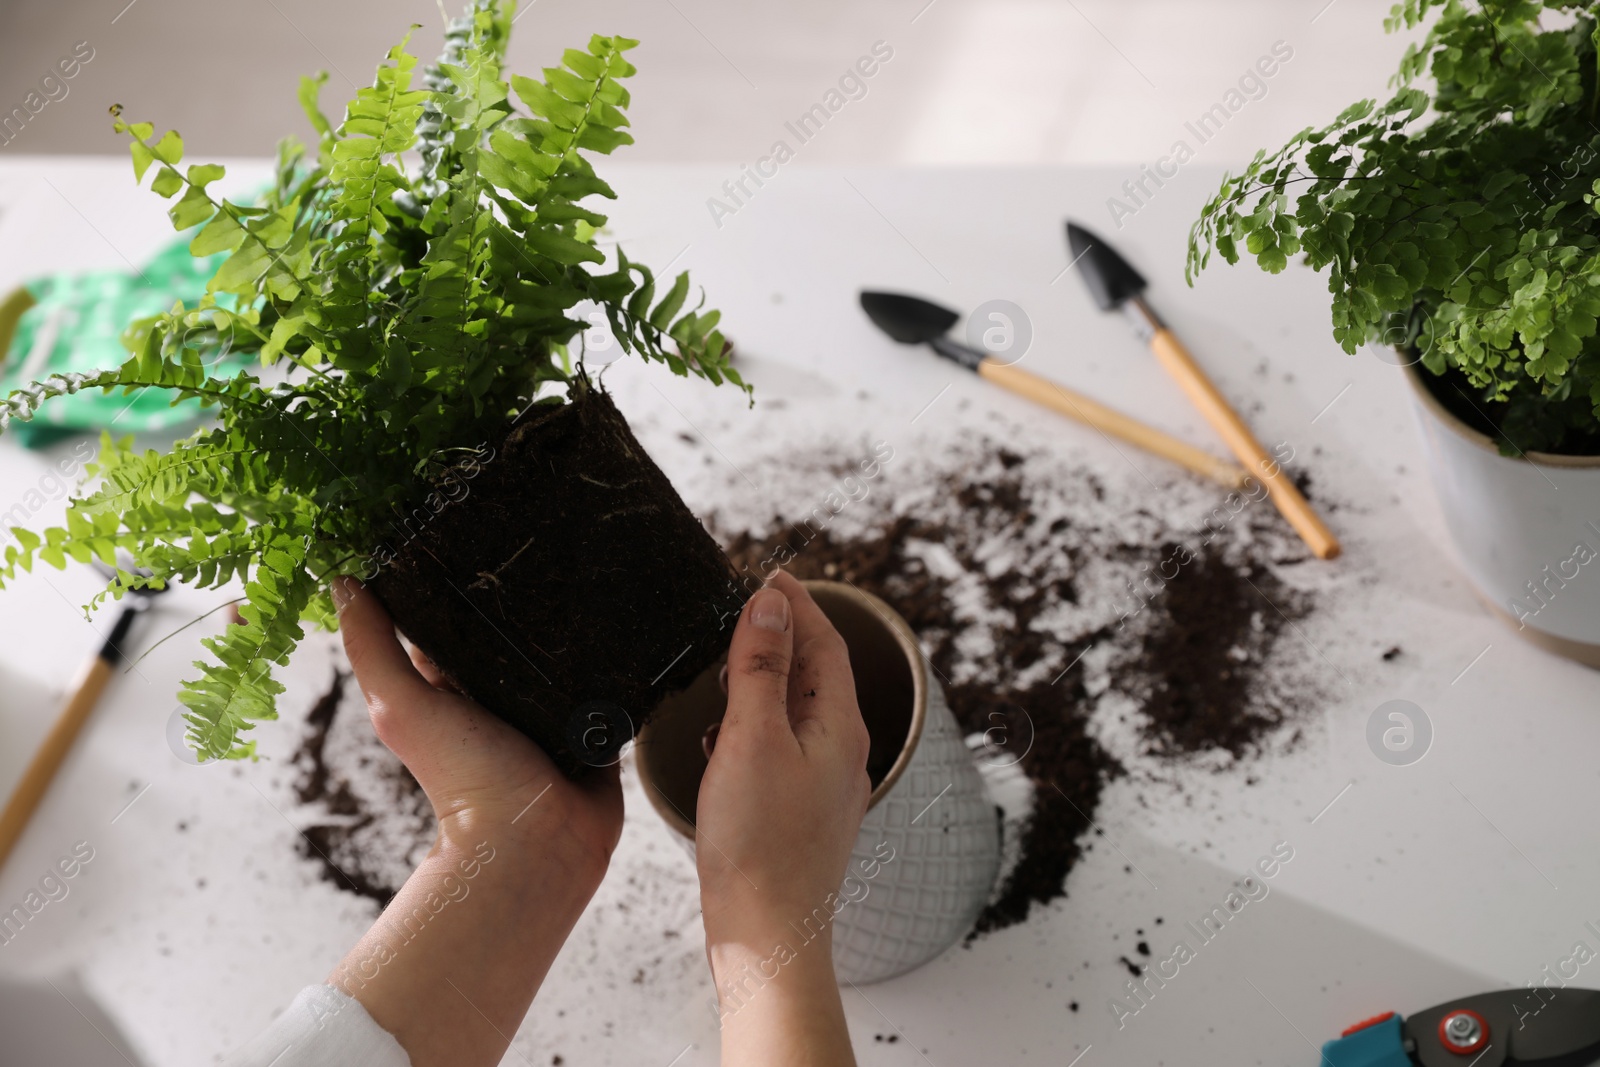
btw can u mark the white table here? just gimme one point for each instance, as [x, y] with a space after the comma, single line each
[1467, 871]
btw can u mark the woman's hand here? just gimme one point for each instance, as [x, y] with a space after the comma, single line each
[454, 961]
[475, 768]
[780, 806]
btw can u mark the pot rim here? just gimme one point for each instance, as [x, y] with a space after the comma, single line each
[1446, 418]
[907, 641]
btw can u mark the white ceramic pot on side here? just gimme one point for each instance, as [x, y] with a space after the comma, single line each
[1526, 529]
[928, 853]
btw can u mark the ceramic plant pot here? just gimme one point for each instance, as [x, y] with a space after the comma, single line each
[1526, 529]
[929, 849]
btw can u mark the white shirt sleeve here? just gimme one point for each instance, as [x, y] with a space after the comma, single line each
[322, 1027]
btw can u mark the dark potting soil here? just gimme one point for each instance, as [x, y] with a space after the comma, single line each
[316, 784]
[1191, 658]
[983, 568]
[1561, 424]
[372, 819]
[1194, 672]
[1068, 767]
[569, 589]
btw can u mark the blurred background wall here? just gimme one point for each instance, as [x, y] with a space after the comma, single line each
[968, 82]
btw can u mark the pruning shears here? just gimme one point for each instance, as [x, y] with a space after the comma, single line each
[1550, 1027]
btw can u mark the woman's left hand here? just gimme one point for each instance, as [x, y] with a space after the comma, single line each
[476, 769]
[453, 963]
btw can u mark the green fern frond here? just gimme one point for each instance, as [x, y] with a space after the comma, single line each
[23, 404]
[1457, 218]
[237, 690]
[402, 312]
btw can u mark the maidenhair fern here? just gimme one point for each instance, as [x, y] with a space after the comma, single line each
[401, 311]
[1459, 218]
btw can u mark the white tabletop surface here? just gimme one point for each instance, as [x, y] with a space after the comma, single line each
[1467, 871]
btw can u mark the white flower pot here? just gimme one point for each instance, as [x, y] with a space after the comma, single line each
[1526, 529]
[929, 848]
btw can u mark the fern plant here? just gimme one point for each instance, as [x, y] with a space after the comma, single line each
[410, 286]
[1460, 223]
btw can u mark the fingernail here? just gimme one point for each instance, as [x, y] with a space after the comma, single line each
[769, 609]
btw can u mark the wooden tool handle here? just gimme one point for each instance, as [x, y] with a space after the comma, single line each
[1113, 423]
[36, 779]
[1181, 365]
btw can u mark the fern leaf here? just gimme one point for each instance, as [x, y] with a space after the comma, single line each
[237, 689]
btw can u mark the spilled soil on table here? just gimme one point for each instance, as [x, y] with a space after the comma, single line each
[986, 580]
[1054, 611]
[371, 822]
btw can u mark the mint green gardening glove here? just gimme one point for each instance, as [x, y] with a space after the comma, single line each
[74, 322]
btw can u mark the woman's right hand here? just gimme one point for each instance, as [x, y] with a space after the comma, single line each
[780, 807]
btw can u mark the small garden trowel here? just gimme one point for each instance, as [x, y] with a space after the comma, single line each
[41, 770]
[1115, 285]
[913, 321]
